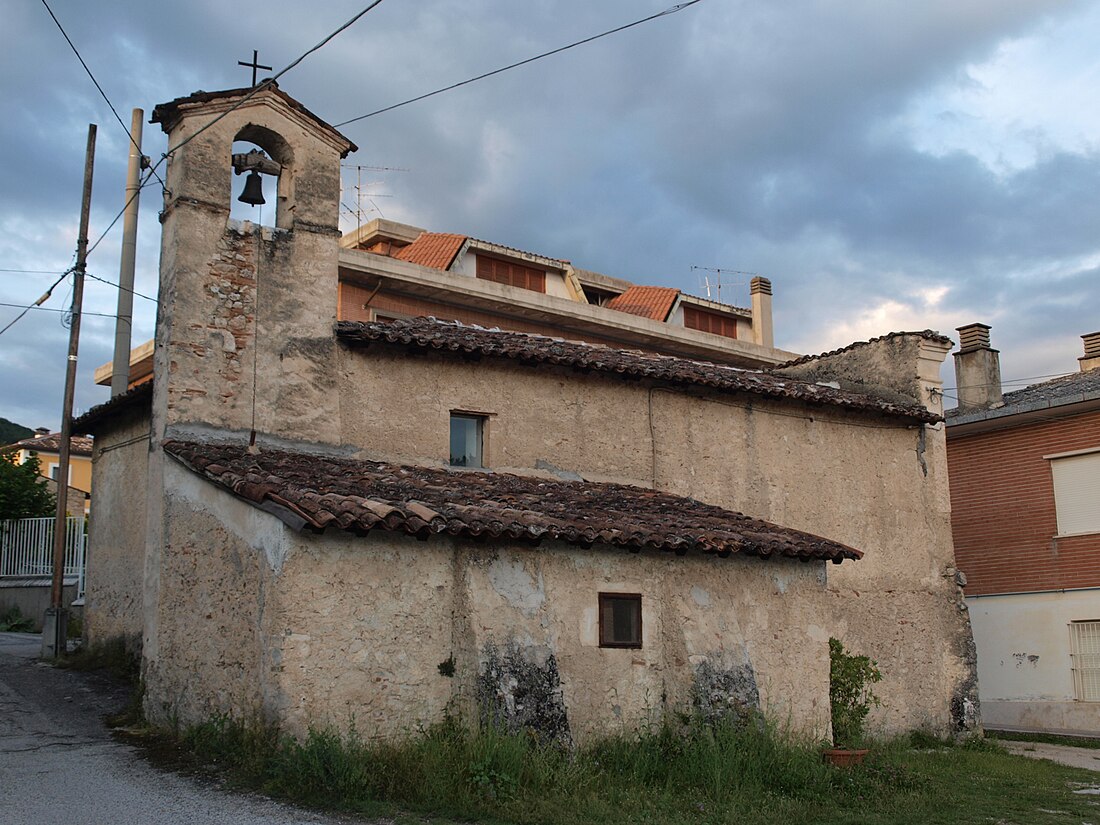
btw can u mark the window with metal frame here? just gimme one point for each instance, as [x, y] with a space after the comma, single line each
[1084, 654]
[620, 620]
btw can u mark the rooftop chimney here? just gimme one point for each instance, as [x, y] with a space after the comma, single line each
[977, 369]
[761, 291]
[1091, 359]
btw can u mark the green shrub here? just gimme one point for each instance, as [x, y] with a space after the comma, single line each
[850, 694]
[12, 620]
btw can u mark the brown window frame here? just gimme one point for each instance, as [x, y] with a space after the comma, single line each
[510, 273]
[604, 606]
[712, 322]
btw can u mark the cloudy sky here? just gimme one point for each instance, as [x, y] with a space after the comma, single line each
[889, 165]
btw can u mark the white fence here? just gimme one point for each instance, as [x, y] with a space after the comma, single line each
[26, 548]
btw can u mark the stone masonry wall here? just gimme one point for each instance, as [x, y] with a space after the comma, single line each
[116, 549]
[875, 484]
[389, 634]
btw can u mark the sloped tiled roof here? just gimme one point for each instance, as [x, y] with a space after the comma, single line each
[137, 396]
[433, 249]
[428, 333]
[78, 444]
[1070, 387]
[653, 302]
[928, 334]
[322, 492]
[1057, 392]
[166, 113]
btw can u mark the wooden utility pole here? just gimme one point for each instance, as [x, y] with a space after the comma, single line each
[54, 630]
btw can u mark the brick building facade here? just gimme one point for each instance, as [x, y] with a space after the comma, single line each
[1025, 498]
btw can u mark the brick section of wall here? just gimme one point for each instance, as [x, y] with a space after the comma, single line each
[1002, 509]
[353, 297]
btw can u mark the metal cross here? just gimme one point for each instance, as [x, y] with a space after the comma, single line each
[254, 65]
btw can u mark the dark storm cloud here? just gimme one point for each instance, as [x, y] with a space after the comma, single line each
[754, 136]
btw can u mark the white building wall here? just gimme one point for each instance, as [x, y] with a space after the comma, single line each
[1025, 678]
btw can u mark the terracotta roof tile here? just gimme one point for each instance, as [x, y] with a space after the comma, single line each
[428, 333]
[433, 249]
[322, 492]
[653, 302]
[78, 444]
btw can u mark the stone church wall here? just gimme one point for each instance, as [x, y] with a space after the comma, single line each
[389, 634]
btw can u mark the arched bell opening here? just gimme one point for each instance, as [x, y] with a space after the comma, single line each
[262, 183]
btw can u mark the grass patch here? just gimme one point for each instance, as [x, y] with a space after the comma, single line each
[12, 620]
[111, 656]
[1045, 738]
[726, 774]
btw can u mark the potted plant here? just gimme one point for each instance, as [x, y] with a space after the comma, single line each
[850, 700]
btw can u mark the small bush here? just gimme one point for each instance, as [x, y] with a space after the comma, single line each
[850, 694]
[12, 620]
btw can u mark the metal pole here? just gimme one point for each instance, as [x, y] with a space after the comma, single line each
[120, 372]
[54, 631]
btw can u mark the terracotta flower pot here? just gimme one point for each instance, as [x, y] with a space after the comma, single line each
[844, 757]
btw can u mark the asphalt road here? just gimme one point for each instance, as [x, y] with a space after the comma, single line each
[59, 764]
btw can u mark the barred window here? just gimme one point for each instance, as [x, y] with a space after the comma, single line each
[1084, 647]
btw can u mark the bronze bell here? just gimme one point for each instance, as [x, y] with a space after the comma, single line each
[253, 193]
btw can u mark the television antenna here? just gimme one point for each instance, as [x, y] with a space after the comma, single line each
[715, 281]
[360, 189]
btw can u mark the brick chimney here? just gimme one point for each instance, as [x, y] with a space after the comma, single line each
[1091, 359]
[977, 369]
[762, 331]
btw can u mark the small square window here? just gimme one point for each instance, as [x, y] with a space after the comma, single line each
[620, 620]
[55, 471]
[467, 440]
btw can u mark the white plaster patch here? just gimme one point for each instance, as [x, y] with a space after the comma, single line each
[817, 633]
[701, 596]
[509, 578]
[258, 530]
[782, 581]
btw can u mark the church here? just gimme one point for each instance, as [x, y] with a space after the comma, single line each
[399, 475]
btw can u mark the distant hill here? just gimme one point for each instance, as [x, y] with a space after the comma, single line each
[10, 432]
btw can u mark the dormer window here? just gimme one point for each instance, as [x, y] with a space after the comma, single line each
[501, 271]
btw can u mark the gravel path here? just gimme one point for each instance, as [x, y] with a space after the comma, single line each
[1088, 758]
[59, 765]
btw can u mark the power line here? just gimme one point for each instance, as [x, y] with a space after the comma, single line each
[53, 309]
[102, 93]
[119, 286]
[45, 297]
[1009, 381]
[265, 84]
[35, 271]
[665, 13]
[121, 212]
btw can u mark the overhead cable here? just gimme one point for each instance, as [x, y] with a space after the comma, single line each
[263, 84]
[102, 93]
[665, 13]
